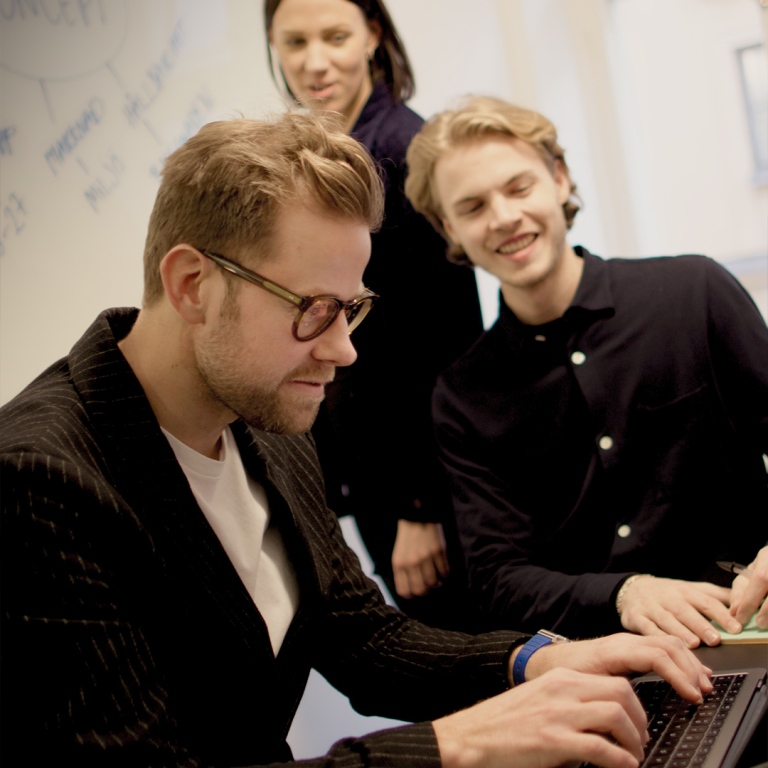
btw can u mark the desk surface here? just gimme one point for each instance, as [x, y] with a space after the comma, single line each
[737, 657]
[734, 656]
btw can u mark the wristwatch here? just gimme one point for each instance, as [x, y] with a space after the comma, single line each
[539, 640]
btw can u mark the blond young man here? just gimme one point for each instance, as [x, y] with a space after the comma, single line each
[612, 424]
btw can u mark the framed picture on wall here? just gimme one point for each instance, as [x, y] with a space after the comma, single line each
[753, 67]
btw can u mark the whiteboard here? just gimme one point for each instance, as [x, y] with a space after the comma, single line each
[95, 94]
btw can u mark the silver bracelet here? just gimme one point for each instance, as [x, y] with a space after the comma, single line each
[623, 588]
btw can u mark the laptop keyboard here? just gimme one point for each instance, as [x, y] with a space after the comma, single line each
[683, 734]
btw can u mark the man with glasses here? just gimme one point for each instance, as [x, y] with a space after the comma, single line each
[170, 570]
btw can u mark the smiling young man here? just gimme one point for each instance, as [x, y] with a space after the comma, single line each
[539, 271]
[611, 425]
[170, 570]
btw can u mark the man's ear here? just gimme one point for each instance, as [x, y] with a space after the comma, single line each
[562, 182]
[184, 272]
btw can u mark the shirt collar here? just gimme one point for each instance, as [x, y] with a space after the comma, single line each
[594, 291]
[593, 300]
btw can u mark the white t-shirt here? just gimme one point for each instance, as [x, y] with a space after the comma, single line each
[237, 509]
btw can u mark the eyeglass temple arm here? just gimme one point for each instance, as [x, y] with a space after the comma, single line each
[252, 277]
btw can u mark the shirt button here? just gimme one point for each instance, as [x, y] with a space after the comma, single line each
[577, 358]
[540, 337]
[624, 531]
[606, 443]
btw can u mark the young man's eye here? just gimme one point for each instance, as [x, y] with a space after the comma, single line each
[520, 191]
[469, 209]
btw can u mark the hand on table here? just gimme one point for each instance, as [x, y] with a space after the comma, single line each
[748, 591]
[652, 606]
[419, 559]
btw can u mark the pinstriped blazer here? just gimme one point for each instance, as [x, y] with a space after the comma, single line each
[128, 638]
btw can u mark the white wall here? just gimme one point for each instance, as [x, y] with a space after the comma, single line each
[688, 150]
[645, 94]
[143, 75]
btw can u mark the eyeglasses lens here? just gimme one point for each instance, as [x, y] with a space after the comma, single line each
[357, 312]
[317, 317]
[322, 312]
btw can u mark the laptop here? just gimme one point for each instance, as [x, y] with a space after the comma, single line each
[713, 734]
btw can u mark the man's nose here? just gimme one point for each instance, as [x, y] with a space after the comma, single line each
[505, 212]
[335, 344]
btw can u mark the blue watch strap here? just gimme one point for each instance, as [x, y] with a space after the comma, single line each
[525, 653]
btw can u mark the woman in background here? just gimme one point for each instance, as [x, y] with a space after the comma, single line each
[374, 431]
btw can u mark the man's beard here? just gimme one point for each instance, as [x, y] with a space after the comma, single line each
[218, 365]
[262, 407]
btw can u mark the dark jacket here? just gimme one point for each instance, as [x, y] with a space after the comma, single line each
[128, 637]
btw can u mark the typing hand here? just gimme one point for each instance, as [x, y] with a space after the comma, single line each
[684, 609]
[564, 716]
[419, 560]
[625, 654]
[749, 590]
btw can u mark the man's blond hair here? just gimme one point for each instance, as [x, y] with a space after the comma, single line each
[222, 189]
[478, 117]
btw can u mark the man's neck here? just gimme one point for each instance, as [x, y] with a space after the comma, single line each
[161, 358]
[547, 300]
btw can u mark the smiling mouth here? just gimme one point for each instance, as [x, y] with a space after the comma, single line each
[515, 245]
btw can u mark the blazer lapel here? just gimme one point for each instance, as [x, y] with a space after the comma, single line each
[144, 470]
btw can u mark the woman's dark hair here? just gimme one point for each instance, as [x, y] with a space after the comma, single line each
[390, 62]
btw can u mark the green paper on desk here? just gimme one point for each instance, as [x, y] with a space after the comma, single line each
[750, 634]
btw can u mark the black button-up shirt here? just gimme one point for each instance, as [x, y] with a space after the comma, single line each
[625, 436]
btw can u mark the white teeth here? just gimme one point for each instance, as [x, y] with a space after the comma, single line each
[516, 245]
